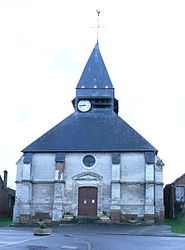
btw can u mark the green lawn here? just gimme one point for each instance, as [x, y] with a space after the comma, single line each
[176, 226]
[5, 222]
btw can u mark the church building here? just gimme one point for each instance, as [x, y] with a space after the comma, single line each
[90, 162]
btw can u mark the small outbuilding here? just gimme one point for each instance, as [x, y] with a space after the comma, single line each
[174, 198]
[7, 198]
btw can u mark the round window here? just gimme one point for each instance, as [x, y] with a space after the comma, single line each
[89, 161]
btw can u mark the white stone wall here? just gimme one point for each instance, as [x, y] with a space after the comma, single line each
[132, 167]
[43, 167]
[74, 167]
[128, 186]
[132, 180]
[42, 194]
[23, 191]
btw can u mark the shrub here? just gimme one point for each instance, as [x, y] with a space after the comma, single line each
[104, 213]
[42, 224]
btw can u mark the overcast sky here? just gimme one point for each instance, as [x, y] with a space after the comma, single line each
[44, 46]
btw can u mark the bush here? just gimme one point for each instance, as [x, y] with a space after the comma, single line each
[42, 224]
[104, 213]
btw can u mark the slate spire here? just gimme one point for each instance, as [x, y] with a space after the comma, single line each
[95, 74]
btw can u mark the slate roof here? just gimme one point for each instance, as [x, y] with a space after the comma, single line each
[91, 132]
[181, 178]
[94, 131]
[11, 191]
[95, 72]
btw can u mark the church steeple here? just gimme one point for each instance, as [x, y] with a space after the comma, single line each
[95, 85]
[95, 125]
[95, 74]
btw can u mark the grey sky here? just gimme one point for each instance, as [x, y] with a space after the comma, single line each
[44, 46]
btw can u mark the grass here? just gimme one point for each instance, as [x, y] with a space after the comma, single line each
[5, 222]
[176, 225]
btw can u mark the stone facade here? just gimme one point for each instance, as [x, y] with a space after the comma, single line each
[129, 186]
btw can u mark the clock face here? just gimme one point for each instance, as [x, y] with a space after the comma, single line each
[84, 105]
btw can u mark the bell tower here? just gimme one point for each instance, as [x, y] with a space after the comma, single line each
[94, 91]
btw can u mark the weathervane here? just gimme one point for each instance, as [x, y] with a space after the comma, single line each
[98, 24]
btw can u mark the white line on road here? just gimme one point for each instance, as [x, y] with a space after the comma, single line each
[68, 247]
[17, 242]
[88, 244]
[89, 247]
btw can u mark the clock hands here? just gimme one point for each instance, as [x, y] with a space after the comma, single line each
[84, 105]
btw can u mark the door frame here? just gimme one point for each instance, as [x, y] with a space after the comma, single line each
[97, 195]
[87, 179]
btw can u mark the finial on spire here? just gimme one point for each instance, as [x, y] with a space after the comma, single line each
[98, 25]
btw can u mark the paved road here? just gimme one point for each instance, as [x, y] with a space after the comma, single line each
[125, 242]
[93, 237]
[18, 239]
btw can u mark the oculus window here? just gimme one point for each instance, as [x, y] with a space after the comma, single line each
[89, 161]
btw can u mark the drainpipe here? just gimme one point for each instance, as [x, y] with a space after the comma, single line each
[154, 192]
[173, 200]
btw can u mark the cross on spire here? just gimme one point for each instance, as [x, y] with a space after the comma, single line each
[98, 24]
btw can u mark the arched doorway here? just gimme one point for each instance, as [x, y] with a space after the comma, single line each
[87, 201]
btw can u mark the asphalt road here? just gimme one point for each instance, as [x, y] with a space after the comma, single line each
[18, 239]
[117, 242]
[93, 237]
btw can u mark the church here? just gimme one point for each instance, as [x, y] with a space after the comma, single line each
[90, 162]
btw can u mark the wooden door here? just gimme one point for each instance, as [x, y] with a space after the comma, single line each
[87, 201]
